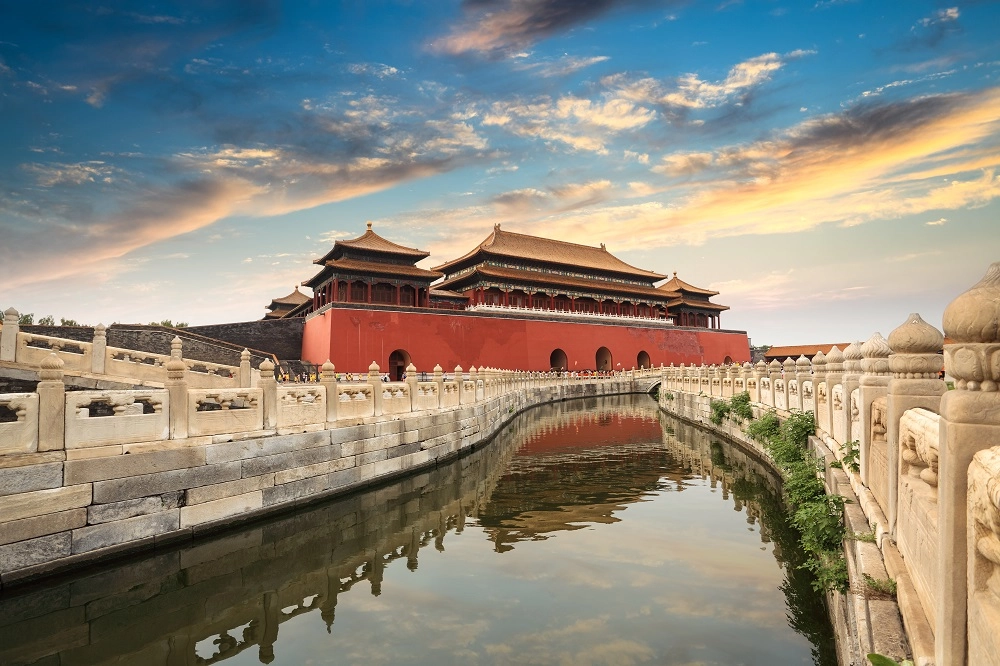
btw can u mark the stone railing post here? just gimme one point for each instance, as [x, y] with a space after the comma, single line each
[439, 382]
[474, 378]
[874, 385]
[245, 368]
[177, 391]
[970, 421]
[803, 374]
[851, 382]
[788, 374]
[460, 380]
[774, 374]
[51, 405]
[269, 387]
[328, 379]
[915, 363]
[759, 372]
[8, 335]
[834, 376]
[411, 383]
[375, 381]
[821, 394]
[99, 350]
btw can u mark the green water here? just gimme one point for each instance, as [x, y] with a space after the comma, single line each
[589, 532]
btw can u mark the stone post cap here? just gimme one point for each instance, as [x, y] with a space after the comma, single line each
[852, 352]
[245, 355]
[789, 365]
[266, 366]
[774, 366]
[410, 370]
[975, 315]
[438, 368]
[875, 347]
[328, 366]
[458, 370]
[835, 359]
[760, 365]
[746, 365]
[176, 345]
[819, 360]
[373, 367]
[100, 330]
[51, 368]
[10, 313]
[915, 336]
[803, 364]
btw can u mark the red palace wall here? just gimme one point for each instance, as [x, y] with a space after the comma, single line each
[353, 338]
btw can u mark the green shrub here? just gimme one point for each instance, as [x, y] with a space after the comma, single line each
[720, 410]
[739, 407]
[765, 428]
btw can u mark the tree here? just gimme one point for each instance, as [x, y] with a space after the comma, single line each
[68, 322]
[26, 319]
[47, 320]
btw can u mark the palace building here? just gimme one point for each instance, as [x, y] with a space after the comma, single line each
[512, 301]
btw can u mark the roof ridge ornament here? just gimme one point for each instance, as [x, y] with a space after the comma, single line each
[369, 224]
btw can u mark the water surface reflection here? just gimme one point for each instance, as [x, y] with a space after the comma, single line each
[590, 532]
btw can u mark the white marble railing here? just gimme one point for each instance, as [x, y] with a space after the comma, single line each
[95, 358]
[928, 454]
[542, 312]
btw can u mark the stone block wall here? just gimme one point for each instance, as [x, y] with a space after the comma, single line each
[105, 497]
[281, 338]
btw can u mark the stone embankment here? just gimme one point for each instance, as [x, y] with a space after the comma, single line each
[89, 475]
[920, 467]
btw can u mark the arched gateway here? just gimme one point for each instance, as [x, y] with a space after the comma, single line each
[642, 360]
[398, 360]
[603, 360]
[557, 360]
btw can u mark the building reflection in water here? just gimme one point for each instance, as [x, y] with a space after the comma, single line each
[560, 467]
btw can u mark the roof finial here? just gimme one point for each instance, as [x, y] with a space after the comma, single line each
[369, 223]
[296, 287]
[496, 227]
[602, 247]
[675, 273]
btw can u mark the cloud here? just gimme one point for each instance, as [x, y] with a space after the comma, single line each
[375, 69]
[563, 66]
[71, 228]
[940, 16]
[504, 27]
[937, 223]
[690, 92]
[872, 161]
[581, 124]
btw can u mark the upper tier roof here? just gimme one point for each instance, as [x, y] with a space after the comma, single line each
[372, 242]
[679, 285]
[545, 280]
[371, 267]
[292, 299]
[521, 246]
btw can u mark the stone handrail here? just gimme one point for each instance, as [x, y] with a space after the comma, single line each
[928, 474]
[97, 359]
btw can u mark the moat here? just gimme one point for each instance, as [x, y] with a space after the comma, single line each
[594, 531]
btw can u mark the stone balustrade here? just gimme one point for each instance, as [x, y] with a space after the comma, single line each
[96, 359]
[88, 474]
[928, 481]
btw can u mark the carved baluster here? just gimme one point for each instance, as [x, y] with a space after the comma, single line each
[915, 362]
[970, 422]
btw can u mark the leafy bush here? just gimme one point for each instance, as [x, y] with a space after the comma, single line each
[765, 428]
[739, 407]
[720, 410]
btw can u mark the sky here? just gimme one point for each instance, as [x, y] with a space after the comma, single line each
[828, 166]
